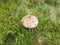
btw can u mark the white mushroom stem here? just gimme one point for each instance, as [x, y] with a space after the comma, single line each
[32, 30]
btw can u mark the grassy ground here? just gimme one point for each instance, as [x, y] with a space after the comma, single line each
[13, 33]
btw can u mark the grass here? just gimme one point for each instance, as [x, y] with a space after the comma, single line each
[12, 31]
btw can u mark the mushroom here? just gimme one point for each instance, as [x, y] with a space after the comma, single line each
[30, 21]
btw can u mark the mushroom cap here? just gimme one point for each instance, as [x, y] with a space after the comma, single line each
[29, 21]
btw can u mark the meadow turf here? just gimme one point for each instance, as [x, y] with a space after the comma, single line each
[12, 32]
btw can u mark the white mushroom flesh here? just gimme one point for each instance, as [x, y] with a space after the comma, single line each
[30, 21]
